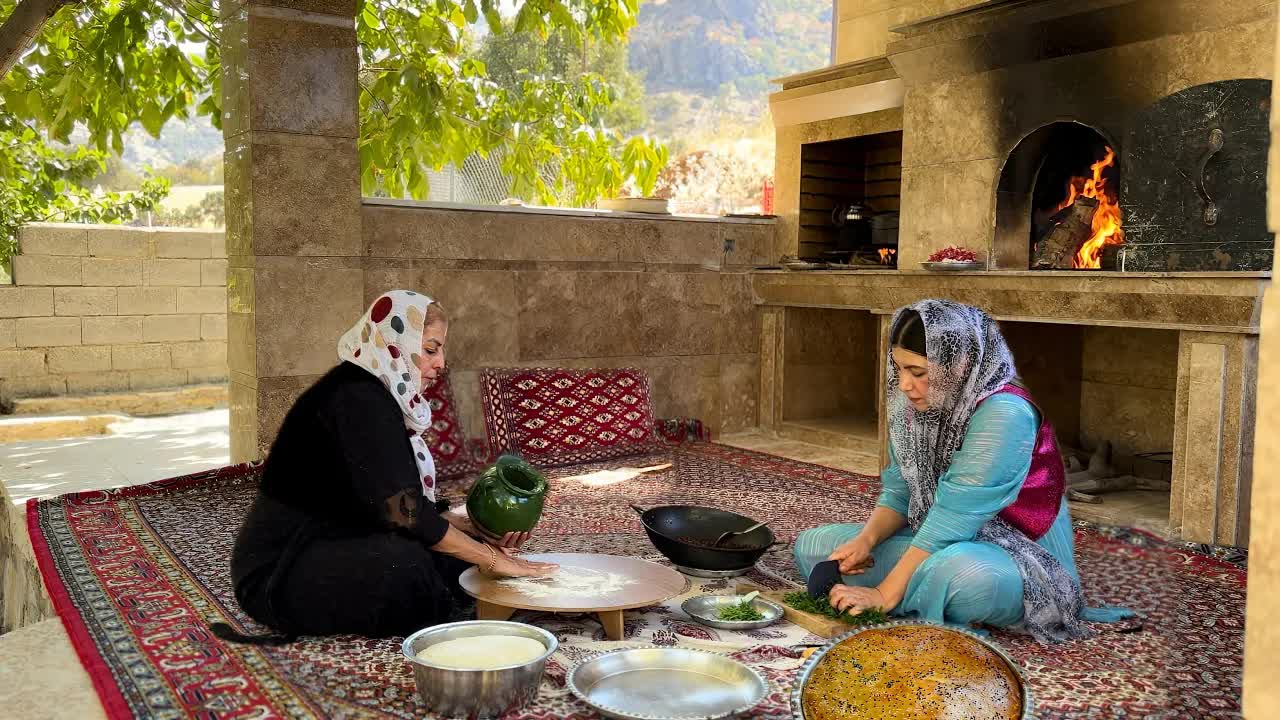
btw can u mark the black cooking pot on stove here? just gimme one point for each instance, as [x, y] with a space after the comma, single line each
[852, 221]
[685, 534]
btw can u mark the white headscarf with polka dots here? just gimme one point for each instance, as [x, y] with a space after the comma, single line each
[387, 343]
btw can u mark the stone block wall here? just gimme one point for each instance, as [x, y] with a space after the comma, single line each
[106, 308]
[671, 296]
[864, 27]
[831, 358]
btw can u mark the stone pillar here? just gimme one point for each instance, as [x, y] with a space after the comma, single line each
[773, 330]
[1262, 632]
[293, 202]
[1213, 437]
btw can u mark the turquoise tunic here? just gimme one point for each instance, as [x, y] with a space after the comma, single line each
[963, 581]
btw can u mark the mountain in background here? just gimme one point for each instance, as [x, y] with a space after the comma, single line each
[707, 64]
[698, 46]
[180, 142]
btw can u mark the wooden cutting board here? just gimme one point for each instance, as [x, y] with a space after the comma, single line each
[819, 625]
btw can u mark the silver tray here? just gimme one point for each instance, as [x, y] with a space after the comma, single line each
[797, 690]
[696, 572]
[666, 684]
[705, 609]
[951, 266]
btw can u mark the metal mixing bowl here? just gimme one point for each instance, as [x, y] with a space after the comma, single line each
[705, 609]
[476, 693]
[797, 691]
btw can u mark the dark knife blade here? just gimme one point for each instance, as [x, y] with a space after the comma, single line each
[825, 575]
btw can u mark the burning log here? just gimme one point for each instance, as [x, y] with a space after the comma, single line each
[1072, 226]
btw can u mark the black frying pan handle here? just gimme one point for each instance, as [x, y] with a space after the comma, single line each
[638, 510]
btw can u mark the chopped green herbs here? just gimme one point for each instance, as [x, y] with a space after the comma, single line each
[743, 612]
[801, 601]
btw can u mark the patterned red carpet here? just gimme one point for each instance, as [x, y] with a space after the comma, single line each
[138, 574]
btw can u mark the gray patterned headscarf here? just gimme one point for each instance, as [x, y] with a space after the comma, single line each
[968, 362]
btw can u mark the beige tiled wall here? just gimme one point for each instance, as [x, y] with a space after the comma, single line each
[99, 308]
[863, 27]
[669, 296]
[830, 364]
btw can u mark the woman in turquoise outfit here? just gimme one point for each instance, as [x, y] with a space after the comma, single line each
[972, 524]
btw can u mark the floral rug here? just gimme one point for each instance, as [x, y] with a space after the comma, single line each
[138, 574]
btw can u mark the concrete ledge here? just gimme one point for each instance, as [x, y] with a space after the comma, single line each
[157, 402]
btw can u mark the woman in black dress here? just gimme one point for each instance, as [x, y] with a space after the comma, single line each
[346, 534]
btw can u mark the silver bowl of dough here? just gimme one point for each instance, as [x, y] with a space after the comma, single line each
[802, 679]
[705, 609]
[666, 684]
[453, 692]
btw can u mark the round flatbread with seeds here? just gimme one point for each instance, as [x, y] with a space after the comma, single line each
[914, 672]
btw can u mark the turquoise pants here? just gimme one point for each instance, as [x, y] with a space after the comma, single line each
[964, 583]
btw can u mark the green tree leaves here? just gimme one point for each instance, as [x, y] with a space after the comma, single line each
[425, 101]
[43, 183]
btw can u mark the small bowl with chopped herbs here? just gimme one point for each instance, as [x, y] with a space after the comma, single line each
[733, 612]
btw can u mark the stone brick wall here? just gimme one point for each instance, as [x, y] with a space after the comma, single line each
[104, 308]
[671, 296]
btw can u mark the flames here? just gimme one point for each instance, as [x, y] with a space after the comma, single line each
[1106, 220]
[886, 256]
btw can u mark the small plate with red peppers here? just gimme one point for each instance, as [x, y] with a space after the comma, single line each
[952, 259]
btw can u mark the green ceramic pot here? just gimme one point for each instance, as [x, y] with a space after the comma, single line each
[507, 497]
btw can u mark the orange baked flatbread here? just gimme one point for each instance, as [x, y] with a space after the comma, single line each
[912, 673]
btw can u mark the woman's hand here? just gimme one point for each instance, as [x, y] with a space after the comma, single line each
[507, 566]
[457, 517]
[853, 599]
[854, 556]
[508, 543]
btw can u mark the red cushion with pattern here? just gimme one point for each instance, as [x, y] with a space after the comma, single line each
[557, 416]
[446, 438]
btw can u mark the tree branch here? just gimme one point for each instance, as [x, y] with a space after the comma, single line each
[191, 20]
[21, 28]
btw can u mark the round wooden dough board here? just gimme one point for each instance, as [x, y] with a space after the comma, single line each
[650, 584]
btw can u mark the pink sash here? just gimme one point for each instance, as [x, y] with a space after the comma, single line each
[1041, 496]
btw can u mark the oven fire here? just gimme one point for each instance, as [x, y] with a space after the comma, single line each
[1085, 222]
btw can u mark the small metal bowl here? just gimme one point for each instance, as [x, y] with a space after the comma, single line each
[452, 692]
[705, 609]
[797, 690]
[666, 684]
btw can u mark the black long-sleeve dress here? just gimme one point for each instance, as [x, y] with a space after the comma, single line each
[338, 538]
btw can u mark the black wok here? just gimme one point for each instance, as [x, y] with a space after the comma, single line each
[685, 533]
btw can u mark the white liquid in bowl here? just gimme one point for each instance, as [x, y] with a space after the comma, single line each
[484, 652]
